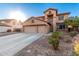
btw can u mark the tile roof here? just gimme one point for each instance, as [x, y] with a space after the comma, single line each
[50, 9]
[3, 24]
[6, 20]
[66, 13]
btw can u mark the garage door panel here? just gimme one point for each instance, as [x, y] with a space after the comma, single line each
[42, 29]
[31, 29]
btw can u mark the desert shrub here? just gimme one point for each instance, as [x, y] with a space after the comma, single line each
[54, 39]
[54, 42]
[57, 34]
[73, 33]
[61, 35]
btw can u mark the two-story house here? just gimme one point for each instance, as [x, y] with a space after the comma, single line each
[51, 21]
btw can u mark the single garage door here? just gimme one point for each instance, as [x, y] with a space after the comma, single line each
[42, 29]
[30, 29]
[36, 29]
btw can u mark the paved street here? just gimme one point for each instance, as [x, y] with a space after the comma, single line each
[7, 33]
[11, 44]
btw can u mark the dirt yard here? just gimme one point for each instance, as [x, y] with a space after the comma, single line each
[41, 47]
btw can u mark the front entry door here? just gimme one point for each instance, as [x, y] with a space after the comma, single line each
[61, 26]
[51, 28]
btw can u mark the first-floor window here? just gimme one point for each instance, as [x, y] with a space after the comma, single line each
[61, 26]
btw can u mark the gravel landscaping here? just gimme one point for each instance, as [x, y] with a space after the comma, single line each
[41, 47]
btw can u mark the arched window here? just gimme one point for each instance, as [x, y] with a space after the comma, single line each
[49, 12]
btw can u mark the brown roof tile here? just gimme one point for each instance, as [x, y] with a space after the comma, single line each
[6, 20]
[51, 9]
[35, 25]
[1, 24]
[41, 17]
[66, 13]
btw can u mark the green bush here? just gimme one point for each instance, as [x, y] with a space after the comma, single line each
[54, 42]
[57, 34]
[54, 39]
[73, 33]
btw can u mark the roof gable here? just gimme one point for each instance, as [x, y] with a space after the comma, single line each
[50, 9]
[34, 18]
[6, 20]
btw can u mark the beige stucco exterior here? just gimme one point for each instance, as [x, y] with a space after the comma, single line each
[37, 27]
[45, 23]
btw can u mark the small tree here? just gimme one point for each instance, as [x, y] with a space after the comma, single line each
[74, 22]
[55, 34]
[54, 39]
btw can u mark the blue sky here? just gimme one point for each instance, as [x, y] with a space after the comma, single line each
[37, 9]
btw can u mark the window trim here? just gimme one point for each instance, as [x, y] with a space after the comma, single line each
[61, 17]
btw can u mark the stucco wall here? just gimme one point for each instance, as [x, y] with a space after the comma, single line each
[4, 28]
[29, 22]
[54, 20]
[60, 21]
[52, 12]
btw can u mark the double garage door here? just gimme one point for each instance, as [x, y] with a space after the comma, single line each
[36, 29]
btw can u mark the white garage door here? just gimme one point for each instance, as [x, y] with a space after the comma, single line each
[30, 29]
[3, 28]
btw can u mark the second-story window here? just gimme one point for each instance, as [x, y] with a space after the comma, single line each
[61, 17]
[49, 12]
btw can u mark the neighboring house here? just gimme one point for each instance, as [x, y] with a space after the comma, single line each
[9, 24]
[18, 27]
[51, 21]
[4, 27]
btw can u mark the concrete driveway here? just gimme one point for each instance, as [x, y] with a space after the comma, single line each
[7, 33]
[11, 44]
